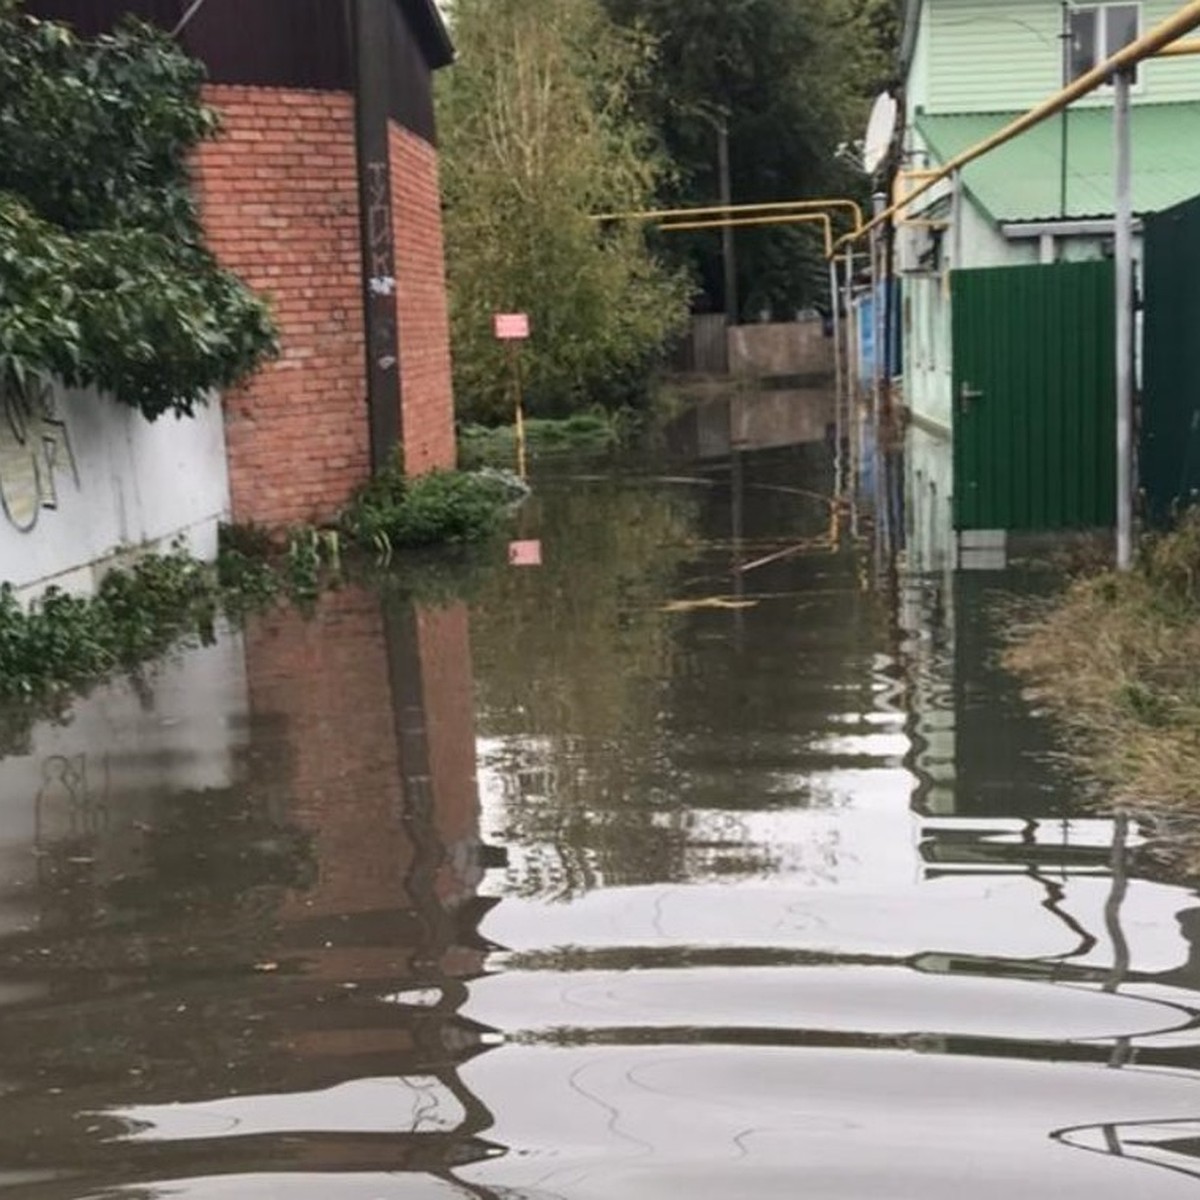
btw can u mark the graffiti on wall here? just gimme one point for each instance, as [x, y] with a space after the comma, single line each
[36, 455]
[382, 284]
[72, 803]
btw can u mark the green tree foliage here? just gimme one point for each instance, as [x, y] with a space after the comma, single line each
[104, 277]
[537, 132]
[793, 79]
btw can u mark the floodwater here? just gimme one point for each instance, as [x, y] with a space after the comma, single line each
[706, 858]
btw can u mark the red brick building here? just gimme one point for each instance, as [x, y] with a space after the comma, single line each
[323, 194]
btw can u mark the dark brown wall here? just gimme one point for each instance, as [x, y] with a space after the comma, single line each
[285, 43]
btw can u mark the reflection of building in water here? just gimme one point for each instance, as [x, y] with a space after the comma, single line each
[280, 949]
[978, 749]
[1171, 1144]
[995, 805]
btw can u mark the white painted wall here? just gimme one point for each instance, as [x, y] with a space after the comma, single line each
[929, 477]
[84, 478]
[92, 785]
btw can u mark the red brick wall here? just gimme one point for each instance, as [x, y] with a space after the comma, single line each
[447, 679]
[428, 417]
[325, 681]
[279, 197]
[323, 703]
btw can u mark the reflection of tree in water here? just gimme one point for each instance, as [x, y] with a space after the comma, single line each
[572, 662]
[756, 689]
[627, 744]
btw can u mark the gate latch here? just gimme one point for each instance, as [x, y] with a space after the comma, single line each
[966, 393]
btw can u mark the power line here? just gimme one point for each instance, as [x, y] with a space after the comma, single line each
[185, 20]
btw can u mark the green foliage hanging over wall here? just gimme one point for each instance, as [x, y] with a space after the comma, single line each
[537, 132]
[104, 277]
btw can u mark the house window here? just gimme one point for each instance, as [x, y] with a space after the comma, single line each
[1096, 32]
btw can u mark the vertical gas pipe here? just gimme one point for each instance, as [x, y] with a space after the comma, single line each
[1123, 249]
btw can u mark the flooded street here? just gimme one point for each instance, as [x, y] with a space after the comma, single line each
[706, 858]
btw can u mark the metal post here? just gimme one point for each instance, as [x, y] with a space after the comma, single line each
[1064, 131]
[728, 250]
[518, 407]
[835, 303]
[852, 388]
[1124, 265]
[372, 70]
[956, 221]
[879, 364]
[737, 484]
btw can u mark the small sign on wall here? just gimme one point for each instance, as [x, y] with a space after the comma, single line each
[511, 327]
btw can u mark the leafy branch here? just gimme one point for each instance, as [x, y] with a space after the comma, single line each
[104, 277]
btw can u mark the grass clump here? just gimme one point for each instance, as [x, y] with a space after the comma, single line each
[583, 433]
[1116, 660]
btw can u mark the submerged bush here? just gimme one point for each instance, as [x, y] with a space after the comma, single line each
[65, 641]
[586, 432]
[393, 512]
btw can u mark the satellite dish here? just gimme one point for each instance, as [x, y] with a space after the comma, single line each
[880, 130]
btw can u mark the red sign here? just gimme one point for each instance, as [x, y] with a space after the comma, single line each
[511, 327]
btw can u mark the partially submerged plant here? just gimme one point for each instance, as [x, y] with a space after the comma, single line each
[393, 512]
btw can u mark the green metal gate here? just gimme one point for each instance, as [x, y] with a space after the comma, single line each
[1034, 397]
[1169, 457]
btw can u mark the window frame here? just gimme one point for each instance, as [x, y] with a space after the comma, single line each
[1101, 11]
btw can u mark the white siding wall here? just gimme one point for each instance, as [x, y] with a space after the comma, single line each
[986, 56]
[83, 478]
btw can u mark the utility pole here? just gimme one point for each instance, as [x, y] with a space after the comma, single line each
[370, 31]
[1123, 253]
[717, 115]
[728, 251]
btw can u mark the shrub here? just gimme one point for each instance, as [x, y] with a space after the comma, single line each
[66, 641]
[443, 507]
[104, 277]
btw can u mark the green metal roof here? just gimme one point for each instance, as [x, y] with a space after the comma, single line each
[1022, 180]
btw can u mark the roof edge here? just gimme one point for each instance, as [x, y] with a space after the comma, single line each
[431, 29]
[908, 35]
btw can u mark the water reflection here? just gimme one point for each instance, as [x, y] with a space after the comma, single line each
[768, 880]
[874, 850]
[252, 914]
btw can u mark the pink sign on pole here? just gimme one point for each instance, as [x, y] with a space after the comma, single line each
[511, 327]
[525, 554]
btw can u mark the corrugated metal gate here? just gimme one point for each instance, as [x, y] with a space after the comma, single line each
[1169, 459]
[1034, 397]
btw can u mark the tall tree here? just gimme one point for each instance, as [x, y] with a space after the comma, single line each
[793, 80]
[538, 133]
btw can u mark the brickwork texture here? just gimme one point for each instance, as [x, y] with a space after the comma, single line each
[280, 205]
